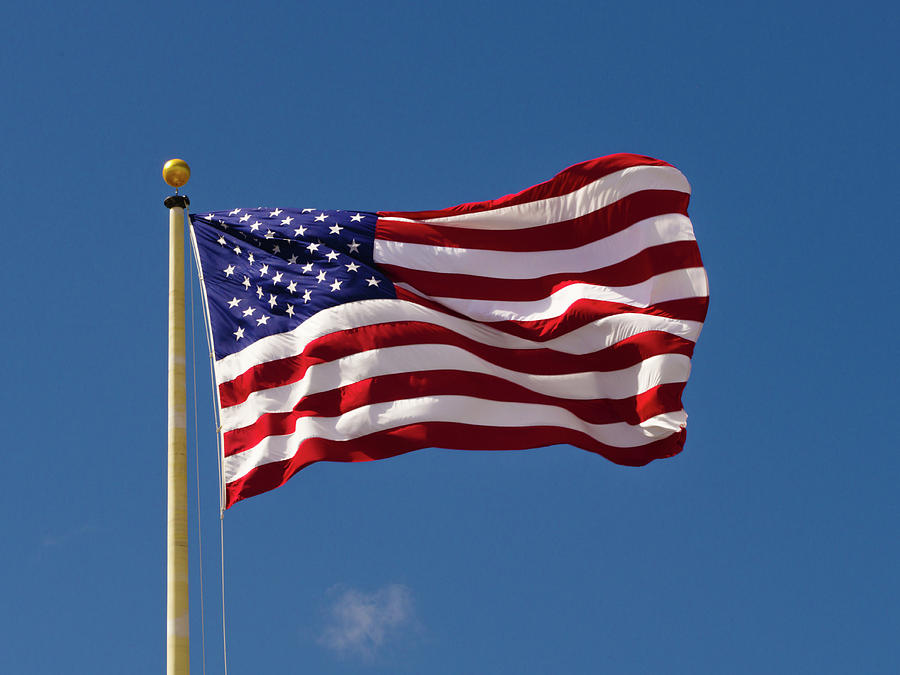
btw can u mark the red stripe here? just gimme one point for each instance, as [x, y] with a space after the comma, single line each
[384, 444]
[636, 269]
[579, 313]
[563, 235]
[564, 182]
[539, 361]
[632, 410]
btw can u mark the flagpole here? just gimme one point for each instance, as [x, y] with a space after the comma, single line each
[176, 173]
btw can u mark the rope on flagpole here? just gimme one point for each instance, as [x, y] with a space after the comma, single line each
[222, 548]
[219, 444]
[193, 361]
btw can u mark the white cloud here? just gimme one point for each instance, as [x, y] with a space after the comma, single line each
[361, 623]
[53, 540]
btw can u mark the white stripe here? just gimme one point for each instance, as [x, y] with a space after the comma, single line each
[461, 409]
[533, 264]
[584, 340]
[616, 384]
[602, 192]
[674, 285]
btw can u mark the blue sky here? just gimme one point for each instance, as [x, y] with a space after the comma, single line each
[769, 545]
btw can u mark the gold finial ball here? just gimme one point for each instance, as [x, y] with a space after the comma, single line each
[176, 172]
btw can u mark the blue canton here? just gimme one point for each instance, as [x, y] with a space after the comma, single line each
[268, 270]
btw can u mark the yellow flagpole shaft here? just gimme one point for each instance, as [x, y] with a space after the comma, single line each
[177, 621]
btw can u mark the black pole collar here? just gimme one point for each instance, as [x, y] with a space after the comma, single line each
[181, 201]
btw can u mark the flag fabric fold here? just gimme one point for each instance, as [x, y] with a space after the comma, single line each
[565, 313]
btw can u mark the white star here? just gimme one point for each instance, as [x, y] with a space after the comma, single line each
[245, 218]
[275, 213]
[254, 227]
[321, 217]
[238, 334]
[331, 255]
[292, 260]
[292, 287]
[335, 229]
[356, 218]
[249, 311]
[290, 310]
[264, 270]
[313, 247]
[234, 302]
[235, 212]
[269, 234]
[246, 283]
[373, 281]
[320, 277]
[277, 277]
[300, 231]
[287, 220]
[237, 249]
[272, 302]
[229, 270]
[306, 295]
[259, 292]
[276, 249]
[353, 246]
[263, 320]
[308, 267]
[210, 216]
[336, 286]
[221, 241]
[352, 267]
[308, 210]
[250, 258]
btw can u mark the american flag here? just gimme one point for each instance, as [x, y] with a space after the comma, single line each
[565, 313]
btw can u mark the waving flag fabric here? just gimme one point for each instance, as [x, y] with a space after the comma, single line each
[566, 313]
